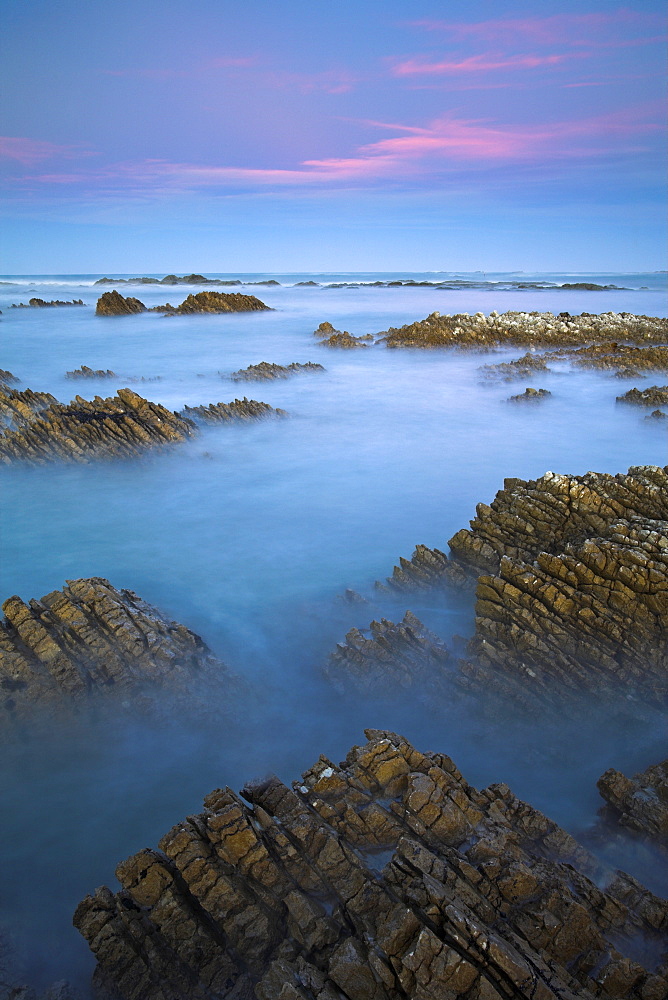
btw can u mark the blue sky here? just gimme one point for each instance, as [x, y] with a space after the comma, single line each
[228, 137]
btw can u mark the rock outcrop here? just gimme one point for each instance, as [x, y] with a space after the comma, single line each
[427, 568]
[86, 372]
[42, 303]
[387, 877]
[115, 304]
[214, 302]
[463, 330]
[6, 378]
[655, 395]
[530, 396]
[18, 407]
[520, 368]
[640, 803]
[628, 360]
[90, 637]
[265, 371]
[238, 409]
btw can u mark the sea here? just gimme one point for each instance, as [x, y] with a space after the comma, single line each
[251, 534]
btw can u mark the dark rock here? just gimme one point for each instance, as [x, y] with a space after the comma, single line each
[41, 304]
[639, 803]
[530, 396]
[86, 372]
[588, 286]
[114, 304]
[307, 284]
[337, 338]
[521, 368]
[427, 568]
[657, 415]
[214, 302]
[624, 357]
[90, 637]
[462, 330]
[238, 409]
[655, 395]
[384, 878]
[265, 371]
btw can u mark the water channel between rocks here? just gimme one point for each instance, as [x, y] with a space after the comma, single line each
[249, 534]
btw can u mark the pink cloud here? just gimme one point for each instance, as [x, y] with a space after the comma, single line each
[543, 30]
[31, 151]
[477, 64]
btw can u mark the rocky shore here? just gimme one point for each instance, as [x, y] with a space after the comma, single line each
[91, 638]
[187, 279]
[639, 803]
[114, 304]
[655, 395]
[121, 426]
[383, 878]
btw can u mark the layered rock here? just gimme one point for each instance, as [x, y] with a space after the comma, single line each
[86, 430]
[387, 877]
[90, 637]
[18, 407]
[463, 330]
[640, 803]
[655, 395]
[427, 568]
[115, 304]
[520, 368]
[86, 372]
[214, 302]
[628, 360]
[41, 303]
[6, 378]
[238, 409]
[406, 655]
[265, 371]
[530, 396]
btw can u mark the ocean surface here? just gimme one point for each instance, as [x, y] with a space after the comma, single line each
[250, 535]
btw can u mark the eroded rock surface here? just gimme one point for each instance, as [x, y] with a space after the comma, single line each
[42, 303]
[238, 409]
[655, 395]
[530, 396]
[215, 302]
[463, 330]
[520, 368]
[338, 338]
[86, 372]
[628, 360]
[265, 371]
[19, 406]
[427, 568]
[90, 637]
[639, 803]
[114, 304]
[387, 877]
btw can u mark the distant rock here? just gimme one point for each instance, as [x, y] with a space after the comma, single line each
[238, 409]
[530, 396]
[338, 338]
[265, 371]
[655, 395]
[215, 302]
[114, 304]
[463, 330]
[307, 284]
[41, 304]
[87, 638]
[86, 372]
[385, 877]
[589, 286]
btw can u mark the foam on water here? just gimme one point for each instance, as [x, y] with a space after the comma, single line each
[247, 534]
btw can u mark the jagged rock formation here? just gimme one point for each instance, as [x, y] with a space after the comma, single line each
[462, 330]
[629, 360]
[655, 395]
[86, 430]
[657, 415]
[90, 637]
[86, 372]
[114, 304]
[388, 877]
[265, 371]
[639, 803]
[6, 378]
[238, 409]
[520, 368]
[530, 396]
[214, 302]
[41, 303]
[187, 279]
[427, 568]
[406, 654]
[18, 407]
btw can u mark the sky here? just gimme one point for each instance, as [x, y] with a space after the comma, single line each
[226, 136]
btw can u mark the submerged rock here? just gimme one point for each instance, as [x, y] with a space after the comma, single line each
[114, 304]
[462, 330]
[86, 372]
[655, 395]
[639, 803]
[90, 637]
[530, 396]
[41, 303]
[238, 409]
[629, 360]
[520, 368]
[265, 371]
[384, 878]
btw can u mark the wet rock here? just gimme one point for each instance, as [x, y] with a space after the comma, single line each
[42, 304]
[84, 430]
[406, 655]
[114, 304]
[639, 803]
[463, 330]
[385, 877]
[86, 372]
[629, 360]
[19, 407]
[427, 568]
[214, 302]
[238, 409]
[90, 637]
[6, 378]
[530, 396]
[655, 395]
[521, 368]
[657, 415]
[265, 371]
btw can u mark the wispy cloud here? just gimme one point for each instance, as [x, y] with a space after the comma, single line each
[32, 151]
[478, 64]
[544, 30]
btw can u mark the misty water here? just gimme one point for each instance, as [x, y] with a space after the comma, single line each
[250, 534]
